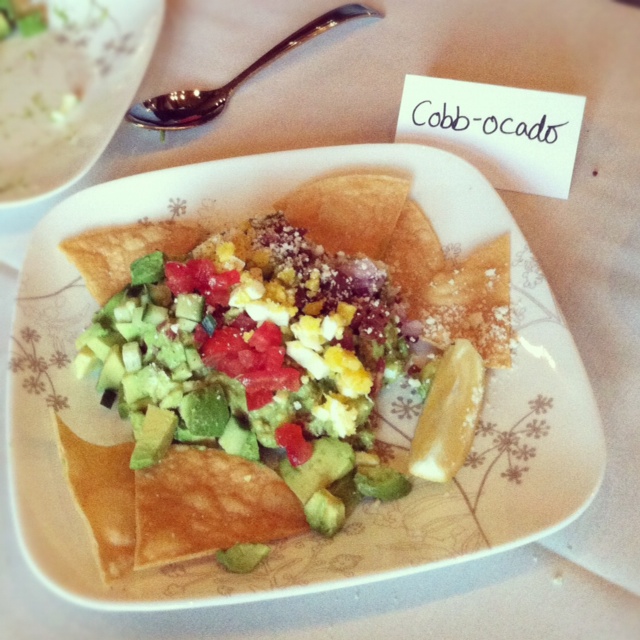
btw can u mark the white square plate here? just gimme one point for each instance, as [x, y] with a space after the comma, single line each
[98, 52]
[538, 456]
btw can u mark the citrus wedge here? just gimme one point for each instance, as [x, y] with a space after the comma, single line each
[446, 427]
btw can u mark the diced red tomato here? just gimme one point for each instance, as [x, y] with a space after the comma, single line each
[227, 278]
[201, 276]
[202, 271]
[258, 398]
[251, 359]
[230, 365]
[291, 437]
[268, 334]
[217, 297]
[178, 277]
[274, 358]
[223, 341]
[273, 379]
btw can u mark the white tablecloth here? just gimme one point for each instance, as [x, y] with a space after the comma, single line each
[582, 582]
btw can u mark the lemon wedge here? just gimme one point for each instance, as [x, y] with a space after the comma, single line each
[446, 427]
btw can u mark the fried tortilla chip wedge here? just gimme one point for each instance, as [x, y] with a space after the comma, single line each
[196, 501]
[352, 213]
[472, 300]
[103, 488]
[103, 256]
[414, 254]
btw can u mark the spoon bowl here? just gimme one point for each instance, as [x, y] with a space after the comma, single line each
[186, 109]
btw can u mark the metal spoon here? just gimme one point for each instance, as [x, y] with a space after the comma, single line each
[186, 109]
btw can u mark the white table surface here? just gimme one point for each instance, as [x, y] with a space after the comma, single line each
[583, 582]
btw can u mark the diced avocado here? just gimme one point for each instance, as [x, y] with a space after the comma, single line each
[149, 382]
[345, 488]
[186, 326]
[112, 370]
[190, 306]
[148, 269]
[131, 357]
[106, 313]
[181, 373]
[184, 435]
[243, 557]
[101, 345]
[6, 7]
[135, 385]
[325, 513]
[383, 483]
[172, 354]
[137, 420]
[85, 362]
[169, 351]
[154, 438]
[128, 330]
[126, 410]
[205, 411]
[251, 449]
[331, 460]
[5, 26]
[154, 314]
[94, 330]
[172, 399]
[124, 311]
[238, 441]
[193, 358]
[31, 24]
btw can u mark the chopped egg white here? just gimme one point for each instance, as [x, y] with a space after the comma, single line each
[308, 331]
[263, 310]
[307, 358]
[248, 290]
[340, 419]
[352, 379]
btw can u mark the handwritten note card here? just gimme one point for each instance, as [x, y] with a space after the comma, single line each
[521, 140]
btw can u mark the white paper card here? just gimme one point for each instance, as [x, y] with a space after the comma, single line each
[520, 139]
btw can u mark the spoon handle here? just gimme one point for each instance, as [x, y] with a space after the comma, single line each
[314, 28]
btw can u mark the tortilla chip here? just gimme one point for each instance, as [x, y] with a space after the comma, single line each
[103, 256]
[414, 254]
[351, 213]
[472, 300]
[194, 502]
[103, 488]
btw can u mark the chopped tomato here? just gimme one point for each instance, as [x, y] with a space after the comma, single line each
[200, 276]
[202, 272]
[224, 340]
[291, 437]
[217, 297]
[230, 365]
[258, 398]
[251, 359]
[217, 288]
[274, 357]
[268, 334]
[227, 278]
[178, 277]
